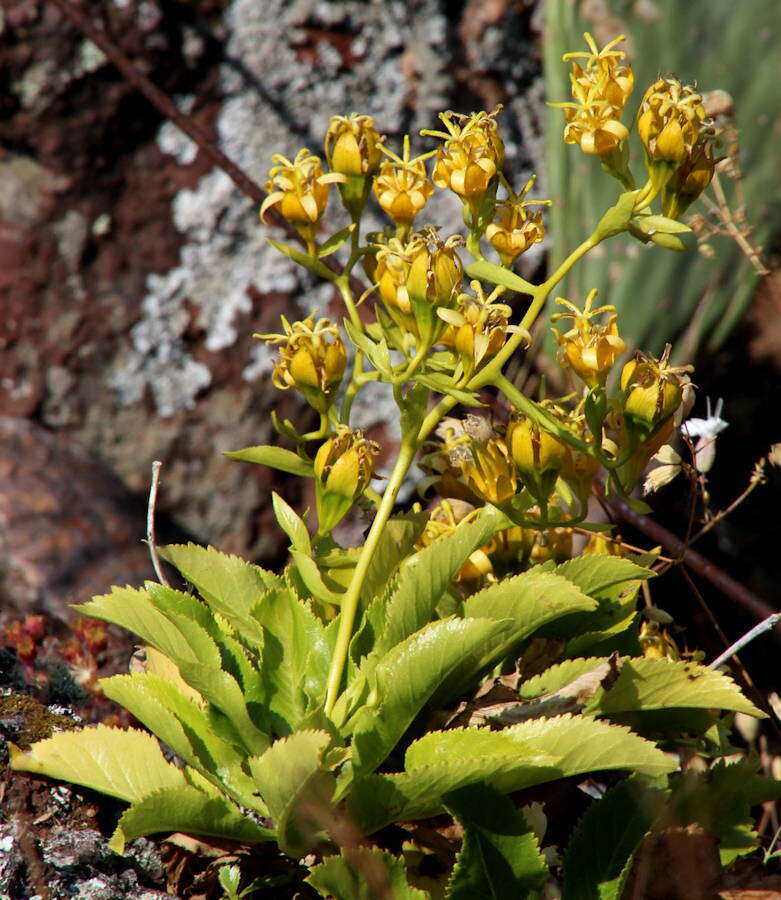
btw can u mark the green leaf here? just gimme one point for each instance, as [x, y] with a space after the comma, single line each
[597, 574]
[127, 764]
[484, 270]
[335, 241]
[296, 657]
[530, 600]
[187, 809]
[406, 677]
[606, 837]
[444, 384]
[616, 219]
[173, 718]
[665, 232]
[364, 873]
[396, 542]
[292, 524]
[425, 577]
[307, 262]
[275, 458]
[500, 856]
[133, 609]
[647, 684]
[297, 789]
[313, 579]
[229, 584]
[376, 353]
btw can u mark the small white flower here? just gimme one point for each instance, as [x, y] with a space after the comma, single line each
[706, 431]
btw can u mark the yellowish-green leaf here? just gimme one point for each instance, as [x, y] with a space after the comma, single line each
[367, 873]
[187, 809]
[645, 684]
[295, 786]
[274, 457]
[127, 764]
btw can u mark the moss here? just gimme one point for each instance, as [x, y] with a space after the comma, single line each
[24, 720]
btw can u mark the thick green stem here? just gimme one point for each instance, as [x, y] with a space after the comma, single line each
[352, 598]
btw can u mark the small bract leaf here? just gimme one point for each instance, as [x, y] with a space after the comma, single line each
[275, 458]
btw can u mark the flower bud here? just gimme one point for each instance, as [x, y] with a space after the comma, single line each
[343, 468]
[352, 146]
[538, 455]
[515, 228]
[589, 350]
[688, 181]
[670, 121]
[652, 392]
[416, 278]
[312, 359]
[299, 190]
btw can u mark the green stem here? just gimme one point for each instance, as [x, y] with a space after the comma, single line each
[351, 599]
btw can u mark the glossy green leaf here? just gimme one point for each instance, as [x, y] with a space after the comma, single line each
[275, 458]
[406, 677]
[296, 787]
[185, 808]
[124, 763]
[292, 524]
[304, 260]
[364, 873]
[500, 856]
[484, 270]
[605, 839]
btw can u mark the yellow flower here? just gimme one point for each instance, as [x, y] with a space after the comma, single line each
[478, 328]
[343, 468]
[689, 180]
[589, 350]
[299, 189]
[579, 468]
[515, 229]
[416, 277]
[312, 358]
[603, 68]
[554, 543]
[471, 156]
[352, 145]
[657, 643]
[670, 121]
[592, 122]
[402, 186]
[538, 455]
[652, 392]
[489, 471]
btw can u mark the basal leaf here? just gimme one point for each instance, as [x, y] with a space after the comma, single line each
[364, 873]
[530, 600]
[398, 538]
[173, 717]
[577, 745]
[648, 684]
[297, 789]
[500, 856]
[275, 458]
[187, 809]
[606, 838]
[424, 578]
[132, 609]
[596, 574]
[556, 677]
[127, 764]
[296, 656]
[407, 676]
[229, 584]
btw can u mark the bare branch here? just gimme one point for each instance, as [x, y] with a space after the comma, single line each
[150, 523]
